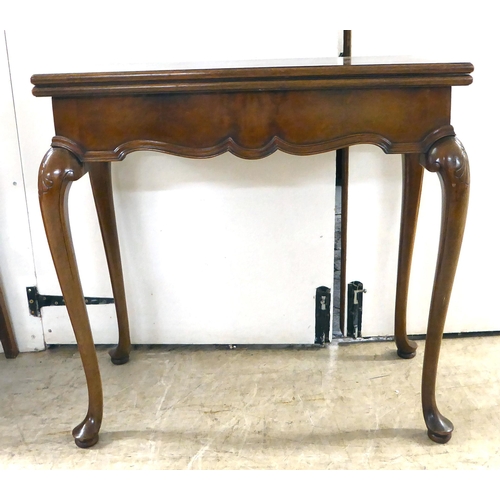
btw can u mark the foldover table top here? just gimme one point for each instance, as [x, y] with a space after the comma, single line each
[302, 106]
[283, 74]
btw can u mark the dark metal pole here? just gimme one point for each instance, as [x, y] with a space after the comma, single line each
[343, 165]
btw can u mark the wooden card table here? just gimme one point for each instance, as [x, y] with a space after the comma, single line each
[299, 107]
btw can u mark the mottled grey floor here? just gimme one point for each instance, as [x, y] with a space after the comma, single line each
[342, 407]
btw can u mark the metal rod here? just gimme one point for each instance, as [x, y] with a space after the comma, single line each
[343, 164]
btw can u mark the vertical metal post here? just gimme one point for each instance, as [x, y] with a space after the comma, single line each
[343, 165]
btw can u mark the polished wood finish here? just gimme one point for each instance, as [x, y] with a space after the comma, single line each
[448, 158]
[413, 174]
[312, 74]
[100, 179]
[7, 337]
[402, 107]
[59, 169]
[250, 125]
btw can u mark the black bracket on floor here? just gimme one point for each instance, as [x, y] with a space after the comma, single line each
[37, 301]
[322, 329]
[355, 293]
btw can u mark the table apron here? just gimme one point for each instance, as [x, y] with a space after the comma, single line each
[252, 124]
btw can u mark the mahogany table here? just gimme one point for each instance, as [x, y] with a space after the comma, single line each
[299, 107]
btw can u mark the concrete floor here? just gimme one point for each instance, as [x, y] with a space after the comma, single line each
[342, 407]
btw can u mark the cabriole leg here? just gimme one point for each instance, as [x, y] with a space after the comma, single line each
[100, 178]
[58, 170]
[412, 187]
[448, 158]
